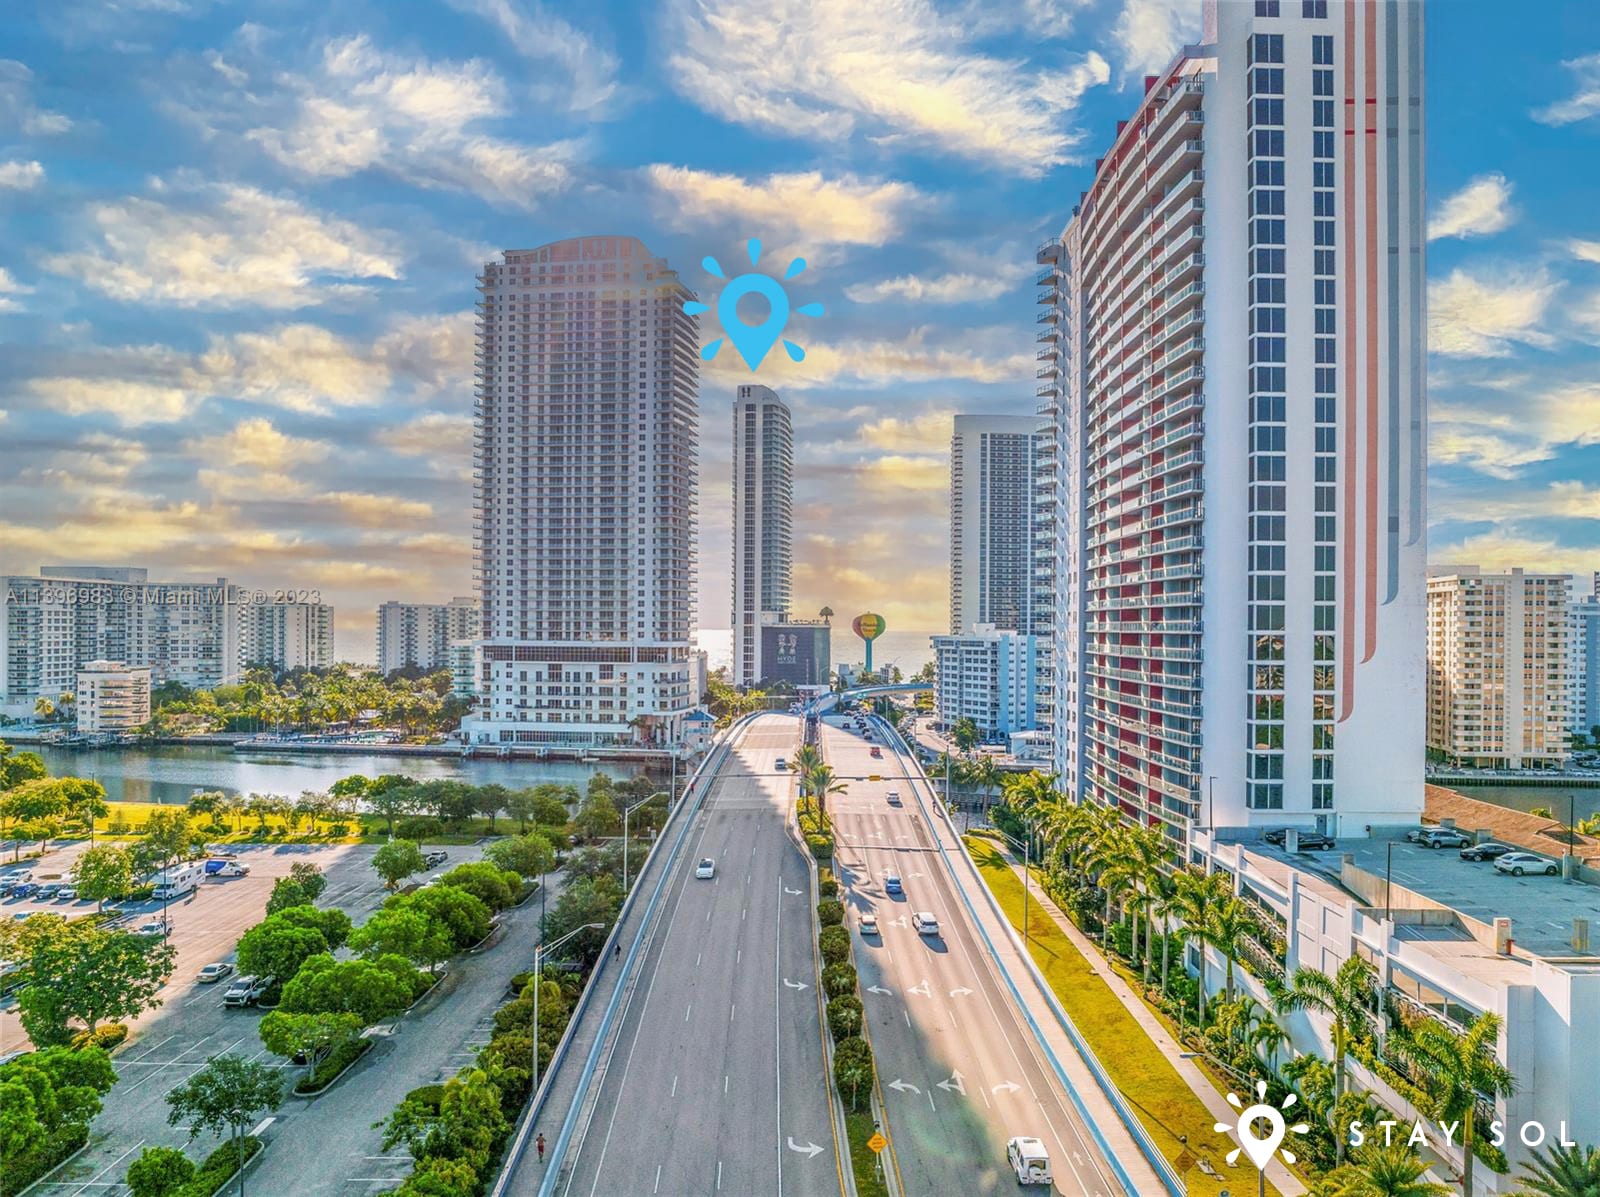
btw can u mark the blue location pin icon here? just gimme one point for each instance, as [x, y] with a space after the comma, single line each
[753, 341]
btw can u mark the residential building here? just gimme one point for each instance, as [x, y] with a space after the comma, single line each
[112, 698]
[1499, 663]
[794, 651]
[586, 485]
[1231, 363]
[419, 635]
[992, 503]
[466, 666]
[284, 635]
[985, 675]
[1584, 660]
[763, 522]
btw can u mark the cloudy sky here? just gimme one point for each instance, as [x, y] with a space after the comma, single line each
[240, 239]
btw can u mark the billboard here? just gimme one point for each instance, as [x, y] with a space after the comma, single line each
[795, 653]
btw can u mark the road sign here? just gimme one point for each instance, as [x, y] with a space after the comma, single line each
[877, 1142]
[1185, 1161]
[874, 777]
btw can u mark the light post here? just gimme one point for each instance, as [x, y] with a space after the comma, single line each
[1027, 858]
[1388, 873]
[626, 812]
[539, 952]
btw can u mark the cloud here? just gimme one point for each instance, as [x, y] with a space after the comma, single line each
[939, 288]
[589, 73]
[1504, 548]
[222, 246]
[804, 208]
[897, 71]
[419, 121]
[1521, 425]
[20, 176]
[377, 511]
[1482, 207]
[17, 109]
[1478, 316]
[896, 473]
[434, 435]
[94, 459]
[922, 355]
[1585, 251]
[9, 290]
[1148, 33]
[1584, 102]
[256, 443]
[926, 432]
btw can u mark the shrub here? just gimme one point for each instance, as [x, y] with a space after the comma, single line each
[416, 828]
[830, 912]
[845, 1016]
[835, 944]
[827, 886]
[428, 1095]
[219, 1167]
[340, 1058]
[117, 826]
[821, 846]
[160, 1172]
[852, 1071]
[107, 1036]
[839, 979]
[26, 1167]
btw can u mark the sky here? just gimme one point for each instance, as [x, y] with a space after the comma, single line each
[240, 245]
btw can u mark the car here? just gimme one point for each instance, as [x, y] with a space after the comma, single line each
[45, 892]
[1518, 863]
[780, 764]
[867, 924]
[706, 869]
[1415, 834]
[213, 973]
[247, 991]
[1313, 841]
[924, 923]
[26, 890]
[67, 893]
[1444, 837]
[154, 927]
[434, 880]
[877, 753]
[891, 884]
[1029, 1160]
[435, 857]
[1488, 850]
[217, 867]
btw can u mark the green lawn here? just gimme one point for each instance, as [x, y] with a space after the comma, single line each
[1147, 1079]
[246, 829]
[863, 1163]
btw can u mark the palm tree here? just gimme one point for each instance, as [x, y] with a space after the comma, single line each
[806, 758]
[820, 782]
[1346, 998]
[987, 776]
[1148, 849]
[1030, 791]
[43, 708]
[1228, 923]
[1451, 1070]
[1195, 895]
[1563, 1172]
[1393, 1171]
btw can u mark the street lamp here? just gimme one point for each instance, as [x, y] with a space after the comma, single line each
[626, 812]
[539, 952]
[1027, 857]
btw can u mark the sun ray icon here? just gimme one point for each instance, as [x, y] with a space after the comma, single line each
[1260, 1149]
[753, 342]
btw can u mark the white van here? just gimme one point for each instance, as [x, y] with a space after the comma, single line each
[1029, 1160]
[178, 880]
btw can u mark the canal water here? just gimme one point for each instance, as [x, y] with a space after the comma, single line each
[1560, 800]
[172, 774]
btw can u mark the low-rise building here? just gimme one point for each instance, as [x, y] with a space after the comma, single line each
[466, 668]
[112, 698]
[986, 675]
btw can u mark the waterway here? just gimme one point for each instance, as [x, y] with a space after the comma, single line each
[1560, 800]
[172, 774]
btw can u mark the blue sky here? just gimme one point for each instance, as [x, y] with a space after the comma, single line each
[240, 243]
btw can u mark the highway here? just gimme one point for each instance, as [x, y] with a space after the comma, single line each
[959, 1069]
[714, 1080]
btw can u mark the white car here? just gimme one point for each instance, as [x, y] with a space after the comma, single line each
[66, 893]
[924, 923]
[706, 869]
[1518, 863]
[213, 973]
[893, 797]
[1029, 1160]
[867, 924]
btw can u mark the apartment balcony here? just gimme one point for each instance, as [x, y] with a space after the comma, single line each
[1051, 251]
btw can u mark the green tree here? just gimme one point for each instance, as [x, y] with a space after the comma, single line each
[104, 871]
[597, 816]
[594, 900]
[529, 855]
[1379, 1171]
[312, 1036]
[404, 932]
[85, 801]
[28, 808]
[1563, 1172]
[464, 915]
[397, 860]
[159, 1172]
[964, 734]
[362, 987]
[333, 925]
[1347, 999]
[301, 887]
[18, 767]
[437, 1177]
[465, 1125]
[486, 882]
[96, 974]
[489, 801]
[167, 838]
[1229, 922]
[390, 797]
[226, 1097]
[852, 1070]
[277, 947]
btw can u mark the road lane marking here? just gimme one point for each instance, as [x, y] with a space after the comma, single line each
[657, 1189]
[674, 1092]
[686, 1010]
[109, 1166]
[724, 1084]
[719, 1176]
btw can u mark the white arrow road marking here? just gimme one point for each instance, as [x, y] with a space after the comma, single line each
[1005, 1087]
[902, 921]
[787, 890]
[878, 989]
[923, 988]
[955, 1083]
[1077, 1159]
[903, 1086]
[809, 1150]
[795, 984]
[961, 991]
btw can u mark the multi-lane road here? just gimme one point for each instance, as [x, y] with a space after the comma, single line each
[714, 1082]
[960, 1071]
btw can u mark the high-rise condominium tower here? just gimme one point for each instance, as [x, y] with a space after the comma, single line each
[588, 372]
[991, 522]
[763, 521]
[420, 634]
[1233, 346]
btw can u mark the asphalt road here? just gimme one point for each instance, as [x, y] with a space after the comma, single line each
[714, 1082]
[960, 1071]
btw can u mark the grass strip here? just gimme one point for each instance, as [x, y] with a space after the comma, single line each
[863, 1160]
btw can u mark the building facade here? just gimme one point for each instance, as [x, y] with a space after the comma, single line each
[1232, 365]
[112, 698]
[795, 652]
[586, 489]
[986, 675]
[1499, 668]
[1584, 668]
[285, 636]
[763, 522]
[420, 634]
[992, 505]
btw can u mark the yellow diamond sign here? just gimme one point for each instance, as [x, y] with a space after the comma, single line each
[877, 1142]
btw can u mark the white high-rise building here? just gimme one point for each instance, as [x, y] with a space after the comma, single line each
[112, 698]
[586, 481]
[1232, 361]
[420, 634]
[1584, 638]
[992, 506]
[763, 522]
[985, 674]
[1499, 661]
[286, 635]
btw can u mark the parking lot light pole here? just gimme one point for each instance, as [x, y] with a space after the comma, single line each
[626, 812]
[1027, 857]
[539, 953]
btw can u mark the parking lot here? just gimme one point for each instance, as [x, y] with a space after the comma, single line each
[175, 1039]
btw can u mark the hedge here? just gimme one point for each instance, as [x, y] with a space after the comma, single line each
[108, 1037]
[845, 1015]
[835, 944]
[23, 1170]
[827, 886]
[853, 1071]
[219, 1168]
[821, 846]
[839, 979]
[325, 1073]
[830, 912]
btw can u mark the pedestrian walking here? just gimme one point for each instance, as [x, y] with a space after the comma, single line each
[617, 955]
[539, 1143]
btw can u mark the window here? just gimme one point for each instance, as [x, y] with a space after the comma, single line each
[1321, 83]
[1317, 10]
[1266, 47]
[1269, 143]
[1266, 8]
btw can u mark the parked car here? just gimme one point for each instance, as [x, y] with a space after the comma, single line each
[1029, 1160]
[1488, 850]
[1308, 838]
[924, 923]
[877, 753]
[436, 857]
[155, 927]
[67, 893]
[1444, 837]
[1518, 863]
[26, 890]
[867, 924]
[48, 891]
[226, 868]
[706, 869]
[1415, 834]
[891, 884]
[247, 990]
[213, 973]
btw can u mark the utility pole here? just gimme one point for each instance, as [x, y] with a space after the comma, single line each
[539, 953]
[626, 812]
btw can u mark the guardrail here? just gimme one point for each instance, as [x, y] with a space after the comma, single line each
[694, 795]
[1170, 1180]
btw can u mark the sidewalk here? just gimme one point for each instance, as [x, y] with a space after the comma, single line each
[1282, 1179]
